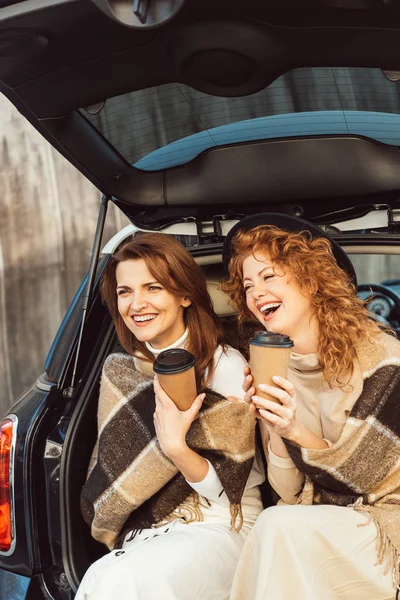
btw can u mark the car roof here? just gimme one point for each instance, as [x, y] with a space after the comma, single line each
[59, 57]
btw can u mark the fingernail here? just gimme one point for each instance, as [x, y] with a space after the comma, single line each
[263, 386]
[276, 378]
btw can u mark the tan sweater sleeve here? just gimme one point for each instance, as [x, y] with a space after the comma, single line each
[320, 408]
[284, 477]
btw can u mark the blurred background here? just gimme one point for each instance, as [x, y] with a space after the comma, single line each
[48, 214]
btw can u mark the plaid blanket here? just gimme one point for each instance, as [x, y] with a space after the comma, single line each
[362, 469]
[131, 484]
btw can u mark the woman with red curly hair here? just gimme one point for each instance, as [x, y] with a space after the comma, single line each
[332, 439]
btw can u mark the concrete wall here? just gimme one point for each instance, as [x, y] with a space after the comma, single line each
[48, 214]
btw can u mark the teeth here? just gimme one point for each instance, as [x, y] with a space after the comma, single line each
[270, 305]
[144, 318]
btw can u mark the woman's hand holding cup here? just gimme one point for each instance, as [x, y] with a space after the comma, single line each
[172, 424]
[280, 416]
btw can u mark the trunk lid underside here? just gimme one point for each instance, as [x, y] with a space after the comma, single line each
[241, 58]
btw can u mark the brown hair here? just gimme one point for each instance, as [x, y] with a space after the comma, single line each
[176, 270]
[341, 316]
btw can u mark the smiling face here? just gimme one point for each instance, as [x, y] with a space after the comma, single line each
[151, 313]
[276, 300]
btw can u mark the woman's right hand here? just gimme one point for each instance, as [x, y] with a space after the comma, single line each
[172, 424]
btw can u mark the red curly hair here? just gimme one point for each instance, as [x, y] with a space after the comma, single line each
[341, 316]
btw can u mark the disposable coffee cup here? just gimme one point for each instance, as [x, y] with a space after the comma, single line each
[269, 356]
[176, 374]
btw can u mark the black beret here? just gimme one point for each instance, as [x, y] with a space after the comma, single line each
[288, 223]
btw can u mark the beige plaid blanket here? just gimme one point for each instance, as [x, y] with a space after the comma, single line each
[131, 484]
[362, 469]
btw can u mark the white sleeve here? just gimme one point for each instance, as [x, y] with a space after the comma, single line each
[211, 487]
[227, 380]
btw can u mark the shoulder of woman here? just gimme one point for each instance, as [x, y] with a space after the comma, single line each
[227, 377]
[117, 360]
[120, 369]
[383, 349]
[228, 357]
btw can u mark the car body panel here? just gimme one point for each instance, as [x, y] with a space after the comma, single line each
[13, 586]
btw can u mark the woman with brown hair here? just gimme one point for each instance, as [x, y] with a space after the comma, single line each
[172, 493]
[332, 437]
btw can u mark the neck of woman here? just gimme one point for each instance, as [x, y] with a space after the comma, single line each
[143, 365]
[179, 343]
[306, 339]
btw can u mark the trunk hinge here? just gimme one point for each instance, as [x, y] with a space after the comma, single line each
[69, 392]
[208, 232]
[393, 219]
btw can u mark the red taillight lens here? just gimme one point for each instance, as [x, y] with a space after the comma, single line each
[6, 436]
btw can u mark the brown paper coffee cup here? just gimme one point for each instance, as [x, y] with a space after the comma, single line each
[176, 374]
[269, 356]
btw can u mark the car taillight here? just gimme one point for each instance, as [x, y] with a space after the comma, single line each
[7, 442]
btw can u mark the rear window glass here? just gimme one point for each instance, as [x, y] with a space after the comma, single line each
[140, 123]
[378, 268]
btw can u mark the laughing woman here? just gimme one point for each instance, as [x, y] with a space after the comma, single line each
[333, 440]
[173, 496]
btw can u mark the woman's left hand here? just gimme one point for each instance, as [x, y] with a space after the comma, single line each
[280, 418]
[172, 424]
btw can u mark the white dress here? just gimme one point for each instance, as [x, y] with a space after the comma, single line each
[183, 561]
[317, 552]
